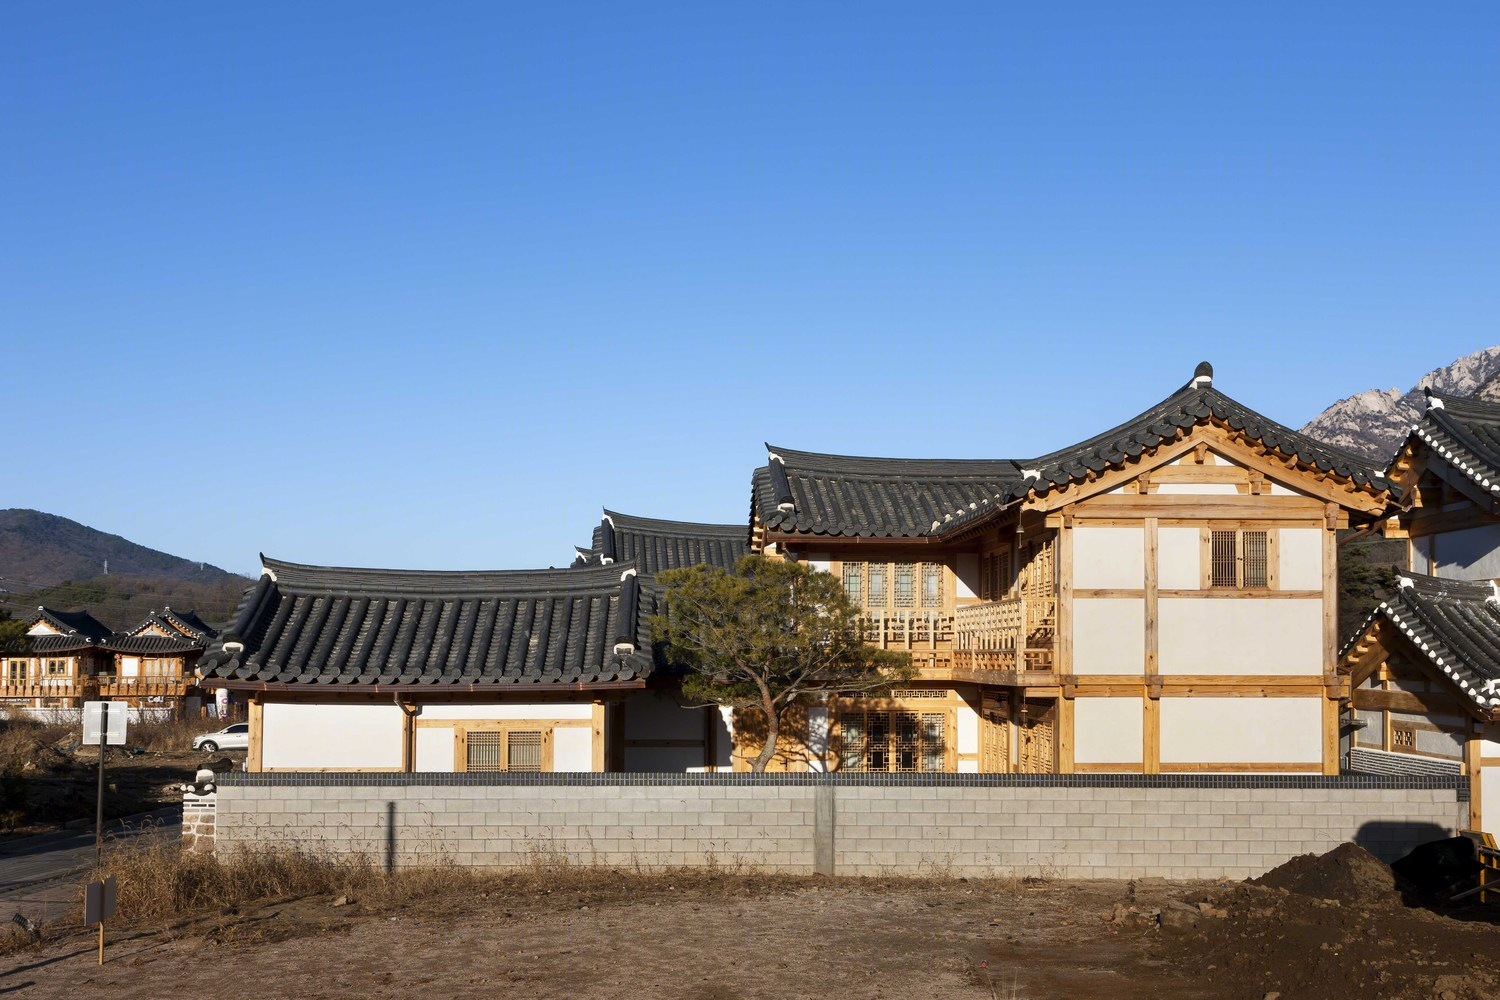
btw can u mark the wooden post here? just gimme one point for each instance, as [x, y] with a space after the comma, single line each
[1330, 640]
[598, 730]
[1064, 738]
[1474, 768]
[257, 734]
[1062, 654]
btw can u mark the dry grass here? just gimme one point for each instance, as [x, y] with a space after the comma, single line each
[22, 739]
[161, 881]
[169, 735]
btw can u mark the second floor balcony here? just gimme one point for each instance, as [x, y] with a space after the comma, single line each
[149, 686]
[1011, 636]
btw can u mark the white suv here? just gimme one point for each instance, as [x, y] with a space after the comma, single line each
[235, 737]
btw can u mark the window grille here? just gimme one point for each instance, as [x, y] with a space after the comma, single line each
[854, 574]
[486, 752]
[932, 585]
[919, 693]
[875, 585]
[1224, 561]
[523, 751]
[1256, 562]
[984, 578]
[57, 668]
[1403, 738]
[906, 585]
[16, 672]
[892, 741]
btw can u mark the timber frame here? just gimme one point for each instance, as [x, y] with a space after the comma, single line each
[1198, 463]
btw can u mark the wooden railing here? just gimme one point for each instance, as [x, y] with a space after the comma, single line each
[907, 629]
[1011, 635]
[49, 687]
[142, 687]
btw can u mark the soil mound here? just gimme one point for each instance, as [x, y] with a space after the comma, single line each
[1348, 874]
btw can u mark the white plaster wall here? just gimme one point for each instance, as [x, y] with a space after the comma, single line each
[539, 710]
[1108, 730]
[315, 737]
[1109, 557]
[573, 748]
[821, 561]
[817, 738]
[1421, 554]
[42, 628]
[130, 666]
[966, 575]
[1241, 730]
[1177, 557]
[434, 749]
[1301, 559]
[1109, 635]
[1198, 489]
[1278, 490]
[967, 722]
[1471, 554]
[1239, 635]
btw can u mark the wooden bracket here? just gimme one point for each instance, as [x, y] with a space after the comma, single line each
[1200, 453]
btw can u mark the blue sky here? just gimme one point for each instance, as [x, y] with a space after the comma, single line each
[426, 285]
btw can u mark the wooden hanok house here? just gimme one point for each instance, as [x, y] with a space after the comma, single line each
[1425, 668]
[152, 664]
[1159, 598]
[58, 662]
[404, 670]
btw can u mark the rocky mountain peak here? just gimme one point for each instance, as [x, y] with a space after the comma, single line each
[1374, 422]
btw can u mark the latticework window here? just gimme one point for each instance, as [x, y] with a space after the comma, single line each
[906, 585]
[1256, 563]
[932, 585]
[523, 751]
[854, 583]
[893, 741]
[486, 752]
[1239, 559]
[985, 593]
[1403, 738]
[875, 587]
[504, 750]
[1224, 564]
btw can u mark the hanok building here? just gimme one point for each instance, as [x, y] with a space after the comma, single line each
[1425, 669]
[152, 664]
[397, 670]
[58, 664]
[1159, 598]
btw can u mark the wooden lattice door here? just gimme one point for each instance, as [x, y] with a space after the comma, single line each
[1038, 749]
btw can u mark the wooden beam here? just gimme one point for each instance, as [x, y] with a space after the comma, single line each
[256, 756]
[596, 733]
[1065, 735]
[1434, 703]
[1330, 736]
[1151, 735]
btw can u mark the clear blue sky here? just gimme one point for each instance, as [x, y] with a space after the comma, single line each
[425, 285]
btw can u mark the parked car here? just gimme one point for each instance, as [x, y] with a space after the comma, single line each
[235, 737]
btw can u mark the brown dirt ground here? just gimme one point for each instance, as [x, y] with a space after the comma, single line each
[701, 935]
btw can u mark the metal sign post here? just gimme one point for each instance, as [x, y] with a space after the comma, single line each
[103, 729]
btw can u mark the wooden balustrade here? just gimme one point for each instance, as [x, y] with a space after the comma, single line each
[142, 687]
[1011, 635]
[907, 629]
[50, 687]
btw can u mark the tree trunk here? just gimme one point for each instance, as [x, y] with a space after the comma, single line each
[773, 731]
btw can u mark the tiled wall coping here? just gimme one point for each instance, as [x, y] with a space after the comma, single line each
[1349, 782]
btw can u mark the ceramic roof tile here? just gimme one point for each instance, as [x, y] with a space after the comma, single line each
[655, 545]
[336, 626]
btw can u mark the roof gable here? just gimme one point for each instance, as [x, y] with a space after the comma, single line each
[1461, 434]
[1454, 625]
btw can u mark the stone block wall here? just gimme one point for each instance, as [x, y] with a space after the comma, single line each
[1083, 826]
[198, 813]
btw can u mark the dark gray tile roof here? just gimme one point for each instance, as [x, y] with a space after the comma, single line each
[1456, 625]
[1466, 434]
[330, 626]
[655, 545]
[77, 626]
[886, 497]
[152, 645]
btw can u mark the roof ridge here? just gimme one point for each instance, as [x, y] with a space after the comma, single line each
[302, 576]
[663, 524]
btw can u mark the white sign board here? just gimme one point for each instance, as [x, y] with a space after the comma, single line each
[93, 714]
[99, 902]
